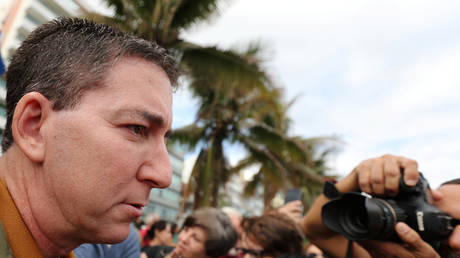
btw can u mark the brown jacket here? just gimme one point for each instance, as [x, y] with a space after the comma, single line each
[15, 239]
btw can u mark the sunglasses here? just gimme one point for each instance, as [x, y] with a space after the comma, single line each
[252, 252]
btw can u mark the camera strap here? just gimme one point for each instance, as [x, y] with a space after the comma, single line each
[330, 191]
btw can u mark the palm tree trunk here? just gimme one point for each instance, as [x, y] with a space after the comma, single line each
[270, 191]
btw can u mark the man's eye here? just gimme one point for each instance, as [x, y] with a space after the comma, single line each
[138, 129]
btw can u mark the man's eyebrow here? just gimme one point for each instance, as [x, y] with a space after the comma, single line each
[151, 118]
[155, 119]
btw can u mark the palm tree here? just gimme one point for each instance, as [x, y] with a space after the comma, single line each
[230, 84]
[228, 110]
[285, 161]
[238, 102]
[307, 173]
[164, 21]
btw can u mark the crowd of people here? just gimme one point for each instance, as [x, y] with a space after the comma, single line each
[211, 232]
[88, 110]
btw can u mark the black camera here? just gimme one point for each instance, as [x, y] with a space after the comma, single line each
[360, 217]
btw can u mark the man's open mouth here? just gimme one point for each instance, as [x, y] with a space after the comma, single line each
[138, 206]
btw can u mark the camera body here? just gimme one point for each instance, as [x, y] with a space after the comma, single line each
[362, 217]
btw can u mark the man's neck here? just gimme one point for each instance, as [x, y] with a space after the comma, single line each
[19, 176]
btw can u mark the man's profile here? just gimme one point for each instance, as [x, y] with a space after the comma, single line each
[88, 114]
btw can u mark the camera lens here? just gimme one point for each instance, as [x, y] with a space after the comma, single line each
[354, 220]
[360, 218]
[382, 217]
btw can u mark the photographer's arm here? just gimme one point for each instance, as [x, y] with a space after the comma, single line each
[332, 243]
[376, 176]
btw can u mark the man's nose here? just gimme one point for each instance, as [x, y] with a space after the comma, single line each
[156, 168]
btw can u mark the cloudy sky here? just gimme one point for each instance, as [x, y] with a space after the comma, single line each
[380, 75]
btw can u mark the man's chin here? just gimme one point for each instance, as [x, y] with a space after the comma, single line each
[112, 235]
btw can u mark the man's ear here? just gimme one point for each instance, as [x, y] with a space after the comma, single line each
[28, 119]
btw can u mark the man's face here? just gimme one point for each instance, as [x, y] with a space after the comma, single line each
[449, 203]
[104, 156]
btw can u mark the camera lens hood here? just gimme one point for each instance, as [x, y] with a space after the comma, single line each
[347, 216]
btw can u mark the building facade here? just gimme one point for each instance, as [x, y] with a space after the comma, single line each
[18, 19]
[252, 206]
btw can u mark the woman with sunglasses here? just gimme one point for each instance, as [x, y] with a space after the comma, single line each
[207, 233]
[269, 236]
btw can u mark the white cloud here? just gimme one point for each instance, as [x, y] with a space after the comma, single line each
[184, 107]
[380, 74]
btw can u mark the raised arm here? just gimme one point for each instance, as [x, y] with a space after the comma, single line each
[377, 176]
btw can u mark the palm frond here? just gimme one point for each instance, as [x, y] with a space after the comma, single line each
[191, 12]
[208, 65]
[189, 135]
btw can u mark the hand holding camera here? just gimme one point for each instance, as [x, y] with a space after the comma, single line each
[380, 176]
[404, 199]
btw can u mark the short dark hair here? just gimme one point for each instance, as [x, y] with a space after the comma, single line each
[67, 56]
[157, 226]
[452, 182]
[221, 236]
[275, 232]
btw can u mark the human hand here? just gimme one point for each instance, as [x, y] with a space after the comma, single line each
[380, 176]
[413, 245]
[293, 210]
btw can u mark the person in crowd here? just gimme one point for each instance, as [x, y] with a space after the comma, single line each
[313, 251]
[2, 64]
[293, 210]
[206, 233]
[159, 234]
[129, 248]
[174, 233]
[381, 176]
[236, 218]
[149, 220]
[88, 113]
[270, 235]
[138, 223]
[289, 255]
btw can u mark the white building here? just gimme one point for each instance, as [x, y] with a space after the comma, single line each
[19, 18]
[252, 206]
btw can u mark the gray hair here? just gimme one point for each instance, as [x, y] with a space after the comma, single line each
[221, 236]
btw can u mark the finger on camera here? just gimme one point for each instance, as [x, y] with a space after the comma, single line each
[410, 168]
[364, 178]
[413, 239]
[384, 249]
[454, 239]
[377, 178]
[392, 176]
